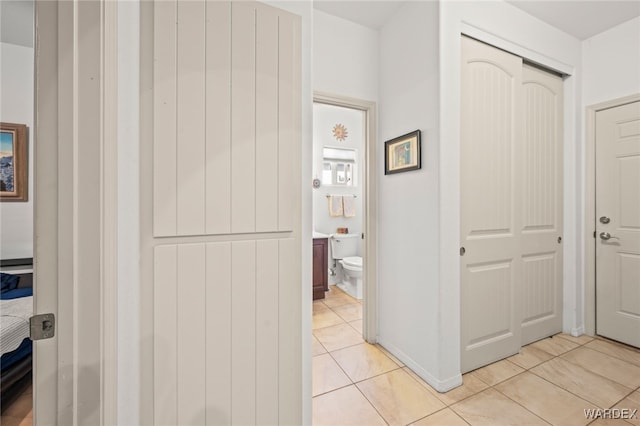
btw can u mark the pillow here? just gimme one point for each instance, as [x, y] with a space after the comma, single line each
[9, 282]
[16, 293]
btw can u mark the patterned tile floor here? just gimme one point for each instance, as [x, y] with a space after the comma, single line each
[552, 381]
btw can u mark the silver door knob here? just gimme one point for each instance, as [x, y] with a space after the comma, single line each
[605, 236]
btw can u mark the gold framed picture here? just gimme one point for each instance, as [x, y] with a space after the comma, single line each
[13, 162]
[402, 154]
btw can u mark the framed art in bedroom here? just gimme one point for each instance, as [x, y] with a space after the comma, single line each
[13, 162]
[402, 154]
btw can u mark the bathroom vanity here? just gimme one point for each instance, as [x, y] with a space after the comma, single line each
[320, 266]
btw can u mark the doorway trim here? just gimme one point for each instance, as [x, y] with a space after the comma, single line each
[590, 207]
[369, 313]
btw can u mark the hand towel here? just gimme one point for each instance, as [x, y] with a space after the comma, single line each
[349, 205]
[335, 205]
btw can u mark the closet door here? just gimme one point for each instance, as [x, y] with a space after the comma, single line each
[541, 191]
[511, 218]
[491, 204]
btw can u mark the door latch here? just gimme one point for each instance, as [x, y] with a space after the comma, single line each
[42, 326]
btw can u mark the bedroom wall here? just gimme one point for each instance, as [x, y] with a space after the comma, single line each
[16, 106]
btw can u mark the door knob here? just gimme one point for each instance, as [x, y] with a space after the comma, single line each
[605, 220]
[606, 236]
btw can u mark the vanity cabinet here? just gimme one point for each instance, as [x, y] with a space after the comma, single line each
[320, 267]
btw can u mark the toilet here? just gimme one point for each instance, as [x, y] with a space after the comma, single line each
[343, 249]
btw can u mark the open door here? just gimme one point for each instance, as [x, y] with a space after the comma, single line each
[74, 246]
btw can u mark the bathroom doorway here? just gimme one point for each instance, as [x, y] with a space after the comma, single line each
[344, 203]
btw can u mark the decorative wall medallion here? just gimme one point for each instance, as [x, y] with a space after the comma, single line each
[340, 132]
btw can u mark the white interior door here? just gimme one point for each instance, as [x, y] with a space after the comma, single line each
[618, 223]
[490, 204]
[511, 204]
[221, 150]
[71, 370]
[541, 192]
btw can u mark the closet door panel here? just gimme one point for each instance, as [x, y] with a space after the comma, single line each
[542, 181]
[490, 134]
[511, 204]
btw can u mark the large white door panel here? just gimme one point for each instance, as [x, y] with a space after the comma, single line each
[225, 179]
[491, 81]
[542, 182]
[226, 108]
[511, 204]
[618, 236]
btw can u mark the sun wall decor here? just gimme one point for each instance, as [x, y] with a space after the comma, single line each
[340, 132]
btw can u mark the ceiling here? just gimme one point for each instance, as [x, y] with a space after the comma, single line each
[582, 19]
[372, 14]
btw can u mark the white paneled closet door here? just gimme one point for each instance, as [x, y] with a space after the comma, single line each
[511, 209]
[541, 196]
[226, 214]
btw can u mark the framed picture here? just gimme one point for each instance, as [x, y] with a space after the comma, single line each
[13, 162]
[402, 153]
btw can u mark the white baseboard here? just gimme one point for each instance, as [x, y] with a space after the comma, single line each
[439, 385]
[577, 331]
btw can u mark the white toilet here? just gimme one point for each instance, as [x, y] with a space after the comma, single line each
[344, 248]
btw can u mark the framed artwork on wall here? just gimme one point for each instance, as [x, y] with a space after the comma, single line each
[402, 154]
[13, 162]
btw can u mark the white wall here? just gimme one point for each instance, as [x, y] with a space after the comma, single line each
[345, 57]
[611, 63]
[408, 202]
[511, 29]
[16, 106]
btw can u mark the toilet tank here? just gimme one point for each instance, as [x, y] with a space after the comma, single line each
[344, 245]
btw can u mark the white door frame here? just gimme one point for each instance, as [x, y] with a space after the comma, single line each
[590, 208]
[369, 323]
[75, 210]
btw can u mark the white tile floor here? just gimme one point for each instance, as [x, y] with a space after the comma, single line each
[552, 381]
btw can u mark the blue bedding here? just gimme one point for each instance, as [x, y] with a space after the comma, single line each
[8, 282]
[16, 293]
[9, 359]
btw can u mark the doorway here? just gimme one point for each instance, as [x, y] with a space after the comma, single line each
[613, 208]
[366, 187]
[17, 154]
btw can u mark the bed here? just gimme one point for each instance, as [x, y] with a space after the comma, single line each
[16, 307]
